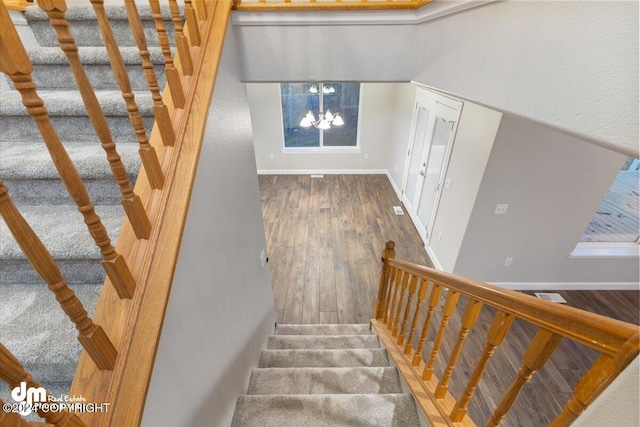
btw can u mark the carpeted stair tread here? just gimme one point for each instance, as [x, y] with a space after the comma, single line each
[31, 160]
[62, 230]
[68, 116]
[38, 332]
[289, 329]
[52, 71]
[359, 380]
[322, 342]
[323, 358]
[69, 103]
[84, 29]
[350, 410]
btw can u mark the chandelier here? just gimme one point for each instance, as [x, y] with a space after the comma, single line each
[325, 120]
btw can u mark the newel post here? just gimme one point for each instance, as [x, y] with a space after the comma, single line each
[387, 253]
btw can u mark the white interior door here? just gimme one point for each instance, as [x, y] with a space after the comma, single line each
[430, 147]
[414, 177]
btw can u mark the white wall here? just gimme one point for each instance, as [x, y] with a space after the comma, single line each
[221, 307]
[553, 184]
[401, 132]
[474, 140]
[572, 65]
[376, 118]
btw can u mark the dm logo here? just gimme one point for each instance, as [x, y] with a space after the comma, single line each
[26, 397]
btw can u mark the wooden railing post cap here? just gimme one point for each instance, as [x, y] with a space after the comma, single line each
[390, 245]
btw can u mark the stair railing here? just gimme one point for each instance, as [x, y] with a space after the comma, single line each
[400, 305]
[309, 5]
[121, 340]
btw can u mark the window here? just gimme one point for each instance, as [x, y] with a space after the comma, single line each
[320, 116]
[613, 231]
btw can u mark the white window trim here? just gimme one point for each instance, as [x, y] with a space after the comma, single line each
[606, 250]
[329, 149]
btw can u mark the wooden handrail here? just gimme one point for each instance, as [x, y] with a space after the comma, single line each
[617, 342]
[336, 5]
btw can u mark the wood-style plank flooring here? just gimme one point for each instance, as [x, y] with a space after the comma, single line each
[325, 238]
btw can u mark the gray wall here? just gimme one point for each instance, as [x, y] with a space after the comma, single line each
[221, 307]
[553, 184]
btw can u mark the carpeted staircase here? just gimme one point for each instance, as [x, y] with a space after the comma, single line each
[324, 375]
[32, 324]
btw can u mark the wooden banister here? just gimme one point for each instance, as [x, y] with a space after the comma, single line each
[12, 372]
[147, 152]
[160, 110]
[15, 63]
[288, 5]
[181, 41]
[617, 342]
[55, 10]
[91, 336]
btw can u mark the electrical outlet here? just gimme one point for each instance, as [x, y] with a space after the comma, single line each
[263, 259]
[366, 156]
[271, 156]
[501, 209]
[507, 262]
[440, 236]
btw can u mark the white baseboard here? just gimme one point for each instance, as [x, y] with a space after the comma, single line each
[322, 172]
[393, 184]
[433, 258]
[568, 286]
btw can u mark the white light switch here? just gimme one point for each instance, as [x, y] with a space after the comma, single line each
[501, 209]
[508, 262]
[263, 259]
[447, 184]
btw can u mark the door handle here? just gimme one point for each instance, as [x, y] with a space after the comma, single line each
[422, 173]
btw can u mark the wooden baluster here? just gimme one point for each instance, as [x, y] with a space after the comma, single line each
[422, 294]
[596, 379]
[181, 41]
[91, 336]
[160, 110]
[11, 419]
[55, 9]
[469, 317]
[497, 331]
[447, 311]
[387, 254]
[201, 9]
[412, 290]
[403, 289]
[434, 297]
[192, 21]
[16, 64]
[390, 290]
[539, 351]
[147, 152]
[13, 373]
[173, 79]
[396, 286]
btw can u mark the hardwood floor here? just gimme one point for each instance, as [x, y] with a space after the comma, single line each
[325, 238]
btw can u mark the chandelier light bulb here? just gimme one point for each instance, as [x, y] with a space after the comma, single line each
[313, 89]
[337, 120]
[328, 116]
[324, 124]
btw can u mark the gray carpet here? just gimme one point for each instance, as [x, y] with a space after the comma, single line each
[324, 375]
[32, 324]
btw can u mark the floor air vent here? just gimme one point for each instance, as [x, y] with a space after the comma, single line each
[551, 297]
[317, 176]
[398, 210]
